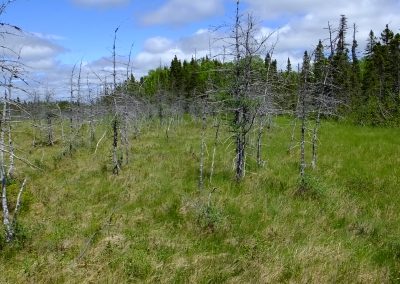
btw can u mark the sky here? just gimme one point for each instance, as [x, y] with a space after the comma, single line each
[61, 33]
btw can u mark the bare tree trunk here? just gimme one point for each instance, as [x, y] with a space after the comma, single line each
[71, 121]
[92, 137]
[246, 48]
[168, 128]
[160, 106]
[10, 140]
[50, 138]
[294, 125]
[214, 149]
[62, 124]
[18, 204]
[128, 67]
[263, 124]
[240, 161]
[11, 168]
[203, 132]
[114, 60]
[78, 97]
[115, 124]
[4, 201]
[302, 141]
[315, 139]
[124, 135]
[303, 116]
[304, 93]
[259, 143]
[115, 161]
[6, 214]
[239, 112]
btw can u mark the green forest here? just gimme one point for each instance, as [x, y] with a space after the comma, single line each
[364, 83]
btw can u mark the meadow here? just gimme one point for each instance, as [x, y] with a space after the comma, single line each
[79, 223]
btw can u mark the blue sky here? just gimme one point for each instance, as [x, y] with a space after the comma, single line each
[85, 30]
[60, 33]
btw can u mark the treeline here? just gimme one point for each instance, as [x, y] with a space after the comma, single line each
[366, 88]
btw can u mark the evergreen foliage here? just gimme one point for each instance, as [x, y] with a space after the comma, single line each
[367, 88]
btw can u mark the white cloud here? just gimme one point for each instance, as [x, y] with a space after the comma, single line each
[101, 3]
[34, 51]
[197, 42]
[145, 61]
[48, 36]
[33, 54]
[303, 23]
[297, 24]
[195, 45]
[157, 44]
[37, 51]
[178, 12]
[42, 64]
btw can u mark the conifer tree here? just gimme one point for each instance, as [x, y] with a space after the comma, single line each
[176, 75]
[304, 98]
[341, 67]
[355, 74]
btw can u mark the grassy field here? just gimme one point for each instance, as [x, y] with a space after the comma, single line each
[81, 224]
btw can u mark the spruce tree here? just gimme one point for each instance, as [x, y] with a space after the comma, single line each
[176, 76]
[341, 68]
[319, 62]
[355, 75]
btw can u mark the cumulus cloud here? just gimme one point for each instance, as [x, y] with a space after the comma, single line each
[297, 26]
[101, 3]
[32, 55]
[178, 12]
[195, 42]
[145, 61]
[157, 44]
[194, 45]
[35, 51]
[302, 23]
[48, 36]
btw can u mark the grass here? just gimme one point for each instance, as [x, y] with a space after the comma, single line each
[80, 224]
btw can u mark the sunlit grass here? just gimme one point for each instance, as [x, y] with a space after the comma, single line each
[80, 223]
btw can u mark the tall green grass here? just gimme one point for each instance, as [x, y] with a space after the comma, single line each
[81, 224]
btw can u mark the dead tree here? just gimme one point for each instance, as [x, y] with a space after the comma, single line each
[115, 122]
[49, 116]
[71, 111]
[216, 138]
[202, 143]
[264, 122]
[61, 123]
[9, 221]
[116, 166]
[324, 100]
[304, 99]
[266, 106]
[79, 96]
[50, 135]
[124, 130]
[247, 46]
[11, 68]
[294, 125]
[92, 136]
[7, 105]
